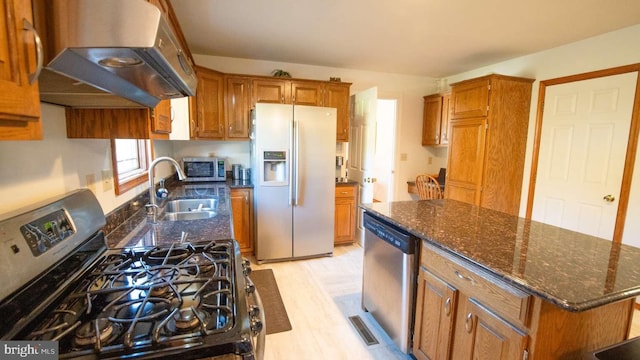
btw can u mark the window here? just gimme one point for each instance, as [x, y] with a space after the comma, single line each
[130, 163]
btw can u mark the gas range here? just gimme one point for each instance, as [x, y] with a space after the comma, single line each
[188, 300]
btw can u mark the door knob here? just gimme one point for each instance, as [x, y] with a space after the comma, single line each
[609, 198]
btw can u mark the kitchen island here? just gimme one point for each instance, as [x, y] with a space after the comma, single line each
[537, 290]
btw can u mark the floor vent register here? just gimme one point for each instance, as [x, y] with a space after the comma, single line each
[363, 330]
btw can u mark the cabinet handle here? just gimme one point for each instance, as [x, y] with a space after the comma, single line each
[462, 277]
[468, 324]
[447, 307]
[26, 25]
[343, 192]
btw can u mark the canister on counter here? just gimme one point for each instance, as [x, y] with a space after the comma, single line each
[235, 171]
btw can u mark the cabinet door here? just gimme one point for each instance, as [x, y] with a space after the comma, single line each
[242, 211]
[337, 96]
[431, 120]
[435, 315]
[161, 117]
[20, 98]
[306, 93]
[480, 334]
[237, 107]
[444, 121]
[345, 221]
[466, 159]
[270, 91]
[470, 99]
[209, 104]
[108, 123]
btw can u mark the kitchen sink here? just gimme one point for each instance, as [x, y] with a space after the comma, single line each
[191, 205]
[189, 215]
[190, 209]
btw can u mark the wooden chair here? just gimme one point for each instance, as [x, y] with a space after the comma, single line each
[428, 187]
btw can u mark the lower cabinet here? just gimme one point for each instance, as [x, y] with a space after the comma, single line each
[464, 312]
[460, 313]
[243, 223]
[434, 317]
[345, 214]
[481, 334]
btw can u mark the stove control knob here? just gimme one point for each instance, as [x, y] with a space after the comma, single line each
[254, 311]
[246, 267]
[250, 288]
[256, 326]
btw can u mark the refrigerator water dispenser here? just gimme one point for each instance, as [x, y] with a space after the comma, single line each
[274, 168]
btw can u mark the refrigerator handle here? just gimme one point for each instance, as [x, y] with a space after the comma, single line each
[296, 126]
[290, 162]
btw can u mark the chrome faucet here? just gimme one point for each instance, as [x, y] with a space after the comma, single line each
[152, 206]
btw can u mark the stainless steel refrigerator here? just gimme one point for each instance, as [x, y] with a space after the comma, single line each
[293, 160]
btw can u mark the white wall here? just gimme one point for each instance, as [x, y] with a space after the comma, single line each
[409, 91]
[37, 170]
[609, 50]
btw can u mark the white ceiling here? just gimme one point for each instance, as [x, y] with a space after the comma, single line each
[434, 38]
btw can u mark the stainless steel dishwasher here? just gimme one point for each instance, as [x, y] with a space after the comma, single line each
[389, 278]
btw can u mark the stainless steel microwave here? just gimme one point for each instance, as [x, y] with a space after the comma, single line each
[204, 169]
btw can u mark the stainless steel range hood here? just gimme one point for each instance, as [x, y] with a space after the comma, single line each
[119, 47]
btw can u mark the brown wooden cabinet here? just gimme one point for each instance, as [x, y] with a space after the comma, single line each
[306, 92]
[435, 119]
[268, 90]
[461, 312]
[162, 118]
[209, 105]
[336, 95]
[120, 123]
[487, 140]
[435, 315]
[237, 107]
[20, 104]
[465, 312]
[481, 334]
[345, 214]
[243, 222]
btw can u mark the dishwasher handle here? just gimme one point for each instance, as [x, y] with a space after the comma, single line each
[399, 239]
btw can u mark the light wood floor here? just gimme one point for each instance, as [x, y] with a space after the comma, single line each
[319, 295]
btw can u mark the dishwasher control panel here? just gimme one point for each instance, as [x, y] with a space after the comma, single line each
[391, 234]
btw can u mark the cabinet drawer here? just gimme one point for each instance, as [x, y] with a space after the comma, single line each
[492, 292]
[345, 191]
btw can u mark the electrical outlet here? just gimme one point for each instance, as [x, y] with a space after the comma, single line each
[403, 157]
[430, 160]
[90, 182]
[107, 180]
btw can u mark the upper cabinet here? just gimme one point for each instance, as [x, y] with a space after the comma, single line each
[20, 104]
[306, 92]
[120, 123]
[435, 120]
[487, 139]
[336, 95]
[270, 90]
[237, 107]
[209, 105]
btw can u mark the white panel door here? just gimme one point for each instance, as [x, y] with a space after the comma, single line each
[362, 145]
[585, 129]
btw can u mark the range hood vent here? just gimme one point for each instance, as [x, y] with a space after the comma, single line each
[120, 47]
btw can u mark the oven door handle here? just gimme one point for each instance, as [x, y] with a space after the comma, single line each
[261, 333]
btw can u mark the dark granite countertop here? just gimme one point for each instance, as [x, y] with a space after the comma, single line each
[139, 231]
[346, 183]
[576, 272]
